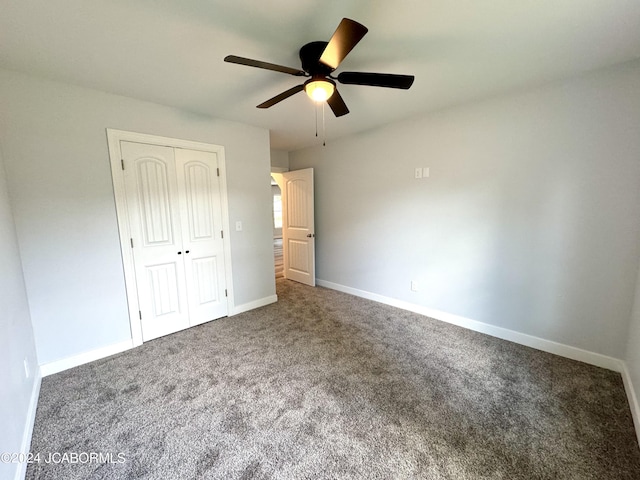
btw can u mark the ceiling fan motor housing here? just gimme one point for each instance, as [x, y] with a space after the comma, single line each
[310, 57]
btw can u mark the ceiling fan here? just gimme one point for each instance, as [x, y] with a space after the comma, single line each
[319, 60]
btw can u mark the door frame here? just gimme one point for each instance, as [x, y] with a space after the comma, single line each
[114, 137]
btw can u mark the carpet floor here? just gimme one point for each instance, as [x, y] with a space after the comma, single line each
[324, 385]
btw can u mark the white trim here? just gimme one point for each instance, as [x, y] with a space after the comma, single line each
[261, 302]
[86, 357]
[120, 198]
[21, 471]
[226, 226]
[550, 346]
[114, 137]
[633, 399]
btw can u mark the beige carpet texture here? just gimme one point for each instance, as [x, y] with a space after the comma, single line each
[324, 385]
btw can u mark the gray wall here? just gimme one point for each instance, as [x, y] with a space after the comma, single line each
[530, 220]
[58, 173]
[16, 338]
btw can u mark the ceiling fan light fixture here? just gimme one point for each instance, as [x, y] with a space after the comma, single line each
[319, 89]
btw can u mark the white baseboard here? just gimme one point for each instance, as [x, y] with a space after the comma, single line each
[550, 346]
[261, 302]
[21, 470]
[633, 399]
[86, 357]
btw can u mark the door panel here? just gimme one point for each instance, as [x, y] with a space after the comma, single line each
[154, 201]
[298, 256]
[199, 202]
[163, 287]
[155, 229]
[298, 229]
[199, 197]
[205, 280]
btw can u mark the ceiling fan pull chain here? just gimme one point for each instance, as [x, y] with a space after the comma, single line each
[324, 129]
[315, 113]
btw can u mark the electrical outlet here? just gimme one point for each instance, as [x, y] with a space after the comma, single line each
[418, 172]
[26, 368]
[414, 286]
[238, 226]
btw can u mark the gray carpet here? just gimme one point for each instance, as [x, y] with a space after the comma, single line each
[326, 385]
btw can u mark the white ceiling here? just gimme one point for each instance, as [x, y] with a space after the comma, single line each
[171, 52]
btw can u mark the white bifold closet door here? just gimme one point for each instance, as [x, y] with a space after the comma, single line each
[175, 219]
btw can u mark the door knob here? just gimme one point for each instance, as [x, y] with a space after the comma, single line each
[311, 235]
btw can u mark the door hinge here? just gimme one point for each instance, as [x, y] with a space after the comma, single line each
[225, 293]
[131, 242]
[218, 170]
[140, 314]
[122, 163]
[222, 233]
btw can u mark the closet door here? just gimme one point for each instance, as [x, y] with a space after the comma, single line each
[201, 227]
[154, 218]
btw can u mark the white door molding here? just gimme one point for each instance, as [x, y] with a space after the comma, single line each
[114, 137]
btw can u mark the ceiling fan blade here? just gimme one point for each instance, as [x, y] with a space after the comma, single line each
[267, 66]
[284, 95]
[377, 79]
[346, 36]
[337, 104]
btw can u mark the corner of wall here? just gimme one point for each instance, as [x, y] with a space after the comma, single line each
[631, 372]
[21, 469]
[280, 159]
[632, 398]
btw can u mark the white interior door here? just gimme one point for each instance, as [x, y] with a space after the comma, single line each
[201, 226]
[150, 182]
[298, 232]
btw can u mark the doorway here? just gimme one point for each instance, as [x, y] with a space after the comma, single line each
[297, 242]
[276, 194]
[298, 226]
